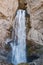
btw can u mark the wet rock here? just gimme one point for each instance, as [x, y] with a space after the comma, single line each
[7, 47]
[24, 64]
[4, 63]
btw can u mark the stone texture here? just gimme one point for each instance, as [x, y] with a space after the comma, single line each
[35, 33]
[35, 9]
[8, 7]
[36, 36]
[8, 10]
[34, 23]
[3, 63]
[22, 4]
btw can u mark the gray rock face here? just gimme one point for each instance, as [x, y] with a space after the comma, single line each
[7, 12]
[36, 36]
[35, 33]
[35, 9]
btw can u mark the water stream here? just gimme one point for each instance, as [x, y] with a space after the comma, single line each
[18, 53]
[19, 45]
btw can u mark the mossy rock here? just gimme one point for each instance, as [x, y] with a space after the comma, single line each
[24, 64]
[11, 64]
[7, 47]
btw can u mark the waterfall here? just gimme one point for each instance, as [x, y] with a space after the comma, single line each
[19, 45]
[18, 53]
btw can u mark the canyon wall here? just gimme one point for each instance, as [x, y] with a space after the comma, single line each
[34, 21]
[8, 10]
[35, 9]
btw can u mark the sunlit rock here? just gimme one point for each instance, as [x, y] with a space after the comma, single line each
[8, 10]
[8, 7]
[36, 36]
[35, 9]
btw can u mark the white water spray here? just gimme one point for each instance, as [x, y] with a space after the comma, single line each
[19, 46]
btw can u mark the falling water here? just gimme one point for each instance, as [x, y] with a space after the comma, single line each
[19, 45]
[18, 53]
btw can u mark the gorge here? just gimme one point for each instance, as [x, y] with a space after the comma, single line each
[21, 32]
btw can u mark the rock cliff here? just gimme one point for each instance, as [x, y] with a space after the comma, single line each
[34, 23]
[8, 10]
[35, 9]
